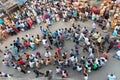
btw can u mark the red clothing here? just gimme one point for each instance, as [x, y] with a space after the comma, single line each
[26, 44]
[58, 50]
[43, 17]
[30, 23]
[56, 55]
[14, 28]
[118, 45]
[20, 62]
[26, 55]
[95, 10]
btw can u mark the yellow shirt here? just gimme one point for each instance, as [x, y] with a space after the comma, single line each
[37, 41]
[99, 39]
[95, 35]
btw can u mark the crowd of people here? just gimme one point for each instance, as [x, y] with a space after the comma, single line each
[37, 11]
[91, 42]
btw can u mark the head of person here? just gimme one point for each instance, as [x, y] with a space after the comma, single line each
[18, 38]
[5, 46]
[10, 44]
[111, 74]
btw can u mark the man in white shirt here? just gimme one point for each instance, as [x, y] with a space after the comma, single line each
[73, 59]
[81, 36]
[90, 49]
[85, 76]
[48, 54]
[32, 45]
[27, 37]
[6, 56]
[31, 57]
[31, 64]
[87, 41]
[117, 55]
[117, 27]
[86, 15]
[59, 31]
[79, 68]
[111, 77]
[43, 41]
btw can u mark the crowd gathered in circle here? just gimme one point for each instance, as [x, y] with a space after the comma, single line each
[91, 42]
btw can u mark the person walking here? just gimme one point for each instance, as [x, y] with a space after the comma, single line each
[85, 76]
[37, 72]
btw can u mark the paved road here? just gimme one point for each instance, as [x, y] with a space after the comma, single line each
[112, 65]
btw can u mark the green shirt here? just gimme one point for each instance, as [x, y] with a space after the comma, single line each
[95, 66]
[54, 41]
[75, 14]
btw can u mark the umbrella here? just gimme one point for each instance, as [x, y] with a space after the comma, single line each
[47, 16]
[1, 21]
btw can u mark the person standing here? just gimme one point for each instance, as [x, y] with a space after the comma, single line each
[111, 77]
[115, 33]
[77, 51]
[48, 54]
[13, 49]
[32, 45]
[85, 76]
[47, 45]
[16, 44]
[94, 25]
[42, 30]
[20, 69]
[111, 44]
[31, 64]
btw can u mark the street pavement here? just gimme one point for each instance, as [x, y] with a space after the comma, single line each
[112, 66]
